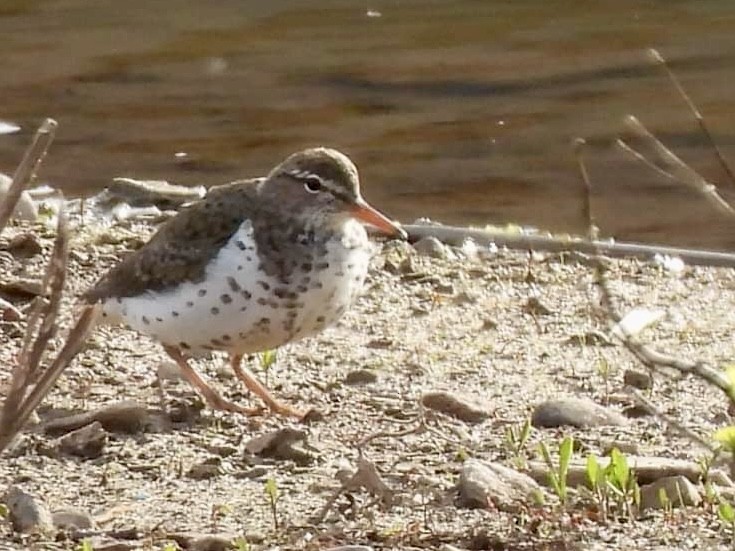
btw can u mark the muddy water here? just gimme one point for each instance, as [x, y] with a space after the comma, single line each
[458, 110]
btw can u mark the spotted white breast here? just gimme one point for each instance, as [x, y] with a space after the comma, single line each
[239, 308]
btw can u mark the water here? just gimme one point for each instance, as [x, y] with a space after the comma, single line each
[462, 110]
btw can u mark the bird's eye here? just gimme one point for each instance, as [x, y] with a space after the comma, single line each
[312, 184]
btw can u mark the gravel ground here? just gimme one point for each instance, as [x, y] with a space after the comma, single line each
[498, 329]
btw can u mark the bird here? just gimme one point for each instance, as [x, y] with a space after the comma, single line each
[252, 266]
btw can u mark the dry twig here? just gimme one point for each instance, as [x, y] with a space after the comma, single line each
[648, 356]
[672, 166]
[29, 383]
[656, 57]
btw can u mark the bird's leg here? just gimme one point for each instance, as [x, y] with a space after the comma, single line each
[256, 387]
[211, 396]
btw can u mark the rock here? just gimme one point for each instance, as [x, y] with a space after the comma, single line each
[286, 443]
[382, 343]
[23, 288]
[481, 483]
[535, 307]
[455, 406]
[127, 417]
[257, 472]
[636, 411]
[444, 288]
[8, 312]
[637, 379]
[143, 193]
[194, 541]
[88, 441]
[465, 297]
[25, 209]
[361, 377]
[27, 513]
[205, 470]
[576, 412]
[25, 245]
[212, 542]
[106, 544]
[628, 448]
[72, 519]
[679, 490]
[432, 247]
[351, 548]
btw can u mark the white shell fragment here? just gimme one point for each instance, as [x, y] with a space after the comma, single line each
[636, 321]
[672, 264]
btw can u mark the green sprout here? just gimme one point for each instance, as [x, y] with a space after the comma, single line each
[558, 473]
[267, 360]
[271, 491]
[516, 439]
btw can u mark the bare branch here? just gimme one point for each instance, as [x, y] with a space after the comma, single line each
[638, 156]
[53, 287]
[13, 422]
[648, 356]
[673, 423]
[656, 57]
[678, 169]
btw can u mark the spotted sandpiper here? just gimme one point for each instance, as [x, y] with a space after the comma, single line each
[252, 266]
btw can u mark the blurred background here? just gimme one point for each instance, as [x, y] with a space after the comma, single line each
[462, 111]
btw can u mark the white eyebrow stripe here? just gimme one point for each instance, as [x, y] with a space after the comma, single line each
[303, 174]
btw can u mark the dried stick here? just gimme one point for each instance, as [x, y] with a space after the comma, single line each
[675, 167]
[673, 423]
[578, 145]
[365, 477]
[656, 57]
[76, 338]
[53, 287]
[651, 358]
[27, 168]
[643, 159]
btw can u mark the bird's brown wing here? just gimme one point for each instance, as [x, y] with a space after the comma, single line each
[181, 249]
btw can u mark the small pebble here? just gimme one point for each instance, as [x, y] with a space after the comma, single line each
[72, 519]
[205, 470]
[456, 406]
[638, 379]
[27, 513]
[88, 441]
[575, 412]
[678, 490]
[8, 312]
[432, 247]
[361, 377]
[286, 443]
[483, 483]
[25, 245]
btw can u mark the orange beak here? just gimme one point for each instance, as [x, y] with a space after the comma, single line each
[365, 213]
